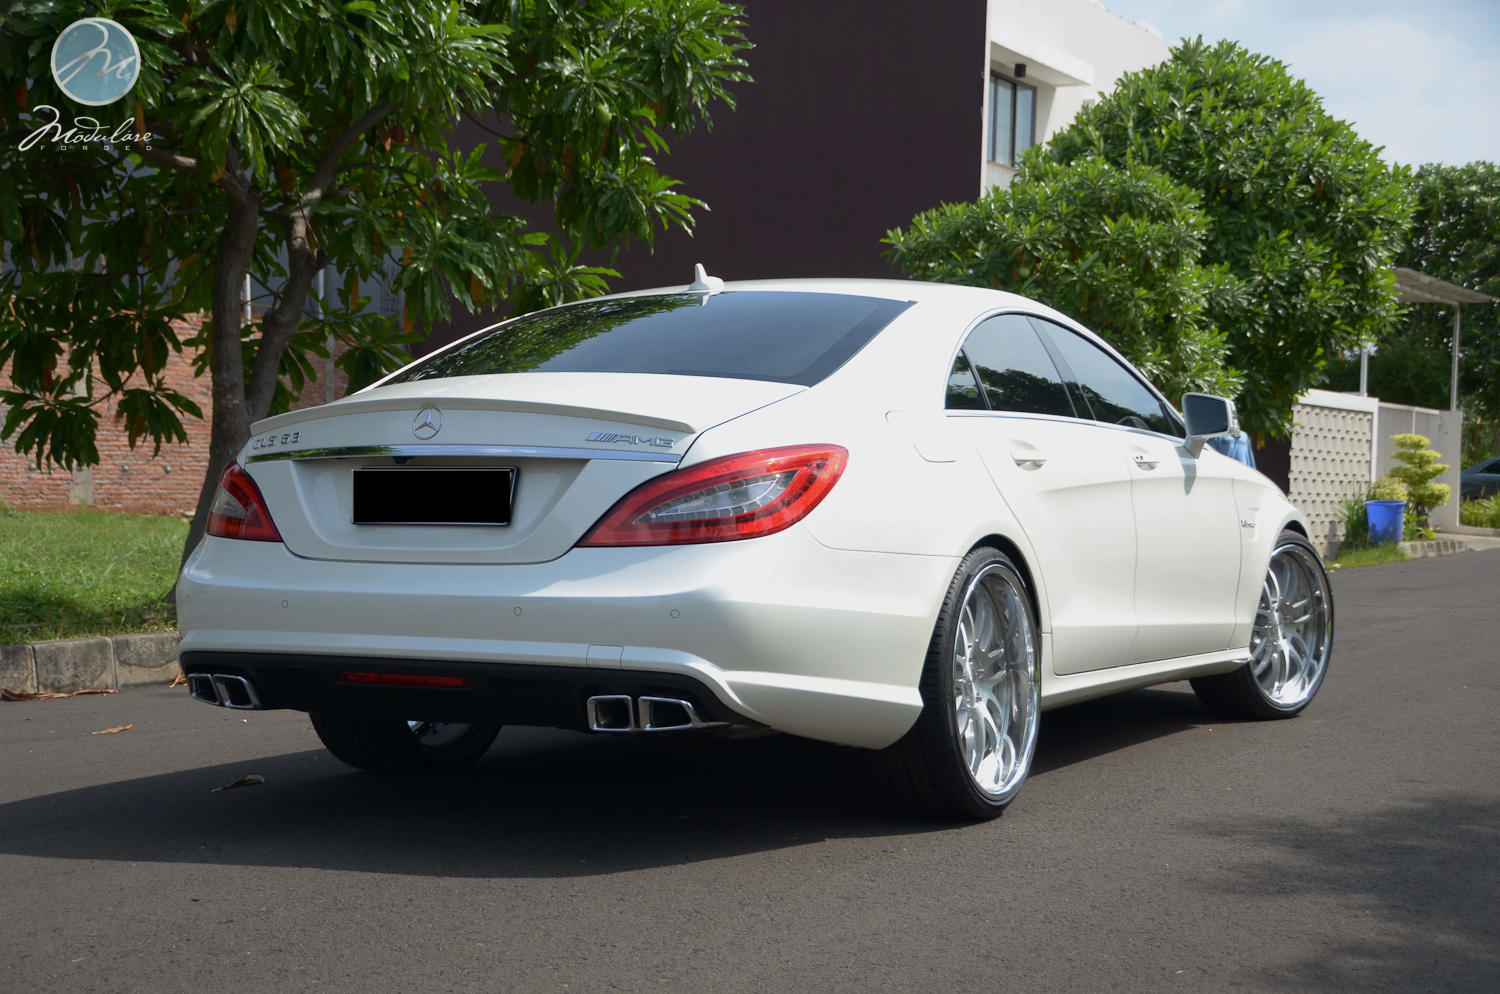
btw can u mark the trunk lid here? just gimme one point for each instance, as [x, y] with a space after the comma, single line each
[578, 442]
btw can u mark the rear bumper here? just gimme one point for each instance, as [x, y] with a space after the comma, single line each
[780, 631]
[503, 693]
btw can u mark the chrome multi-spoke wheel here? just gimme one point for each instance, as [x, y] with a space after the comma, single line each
[995, 692]
[970, 749]
[1290, 643]
[1292, 635]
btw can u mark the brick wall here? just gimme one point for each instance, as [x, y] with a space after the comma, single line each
[127, 479]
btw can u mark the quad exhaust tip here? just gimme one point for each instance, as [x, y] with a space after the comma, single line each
[225, 690]
[623, 713]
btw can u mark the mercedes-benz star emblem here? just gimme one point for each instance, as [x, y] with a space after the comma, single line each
[427, 423]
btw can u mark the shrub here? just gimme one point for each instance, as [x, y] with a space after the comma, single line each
[1481, 513]
[1387, 488]
[1419, 467]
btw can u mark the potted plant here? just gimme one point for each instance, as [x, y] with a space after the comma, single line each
[1419, 467]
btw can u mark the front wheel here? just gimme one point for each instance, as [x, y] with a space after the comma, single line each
[1290, 644]
[406, 747]
[971, 747]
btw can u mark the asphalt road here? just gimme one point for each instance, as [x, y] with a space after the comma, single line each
[1154, 848]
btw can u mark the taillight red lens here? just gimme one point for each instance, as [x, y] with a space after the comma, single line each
[239, 511]
[724, 500]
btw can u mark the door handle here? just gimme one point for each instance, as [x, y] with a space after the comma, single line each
[1028, 460]
[1145, 461]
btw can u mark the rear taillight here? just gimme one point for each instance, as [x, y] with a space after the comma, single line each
[239, 511]
[743, 496]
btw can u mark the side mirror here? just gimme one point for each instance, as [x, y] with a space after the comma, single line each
[1207, 416]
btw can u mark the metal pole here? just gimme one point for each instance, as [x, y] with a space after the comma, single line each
[1364, 370]
[1458, 319]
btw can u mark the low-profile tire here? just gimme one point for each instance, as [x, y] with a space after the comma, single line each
[971, 747]
[404, 747]
[1291, 642]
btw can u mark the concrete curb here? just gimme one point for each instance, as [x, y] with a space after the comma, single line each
[1472, 530]
[1432, 549]
[65, 665]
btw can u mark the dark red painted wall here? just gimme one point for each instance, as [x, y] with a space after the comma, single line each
[862, 113]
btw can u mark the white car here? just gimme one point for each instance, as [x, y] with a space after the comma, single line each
[901, 516]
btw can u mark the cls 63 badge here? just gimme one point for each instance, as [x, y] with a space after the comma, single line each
[284, 439]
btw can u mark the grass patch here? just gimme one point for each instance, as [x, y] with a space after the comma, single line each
[83, 572]
[1368, 555]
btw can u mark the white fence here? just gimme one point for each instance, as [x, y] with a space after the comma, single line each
[1342, 442]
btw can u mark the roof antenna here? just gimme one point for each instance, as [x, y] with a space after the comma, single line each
[704, 283]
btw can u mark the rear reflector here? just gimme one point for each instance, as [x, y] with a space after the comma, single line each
[402, 680]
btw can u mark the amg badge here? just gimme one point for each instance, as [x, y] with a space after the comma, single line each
[610, 436]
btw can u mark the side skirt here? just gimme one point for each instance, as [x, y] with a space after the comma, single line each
[1070, 688]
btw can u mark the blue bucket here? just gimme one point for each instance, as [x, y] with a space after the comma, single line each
[1386, 518]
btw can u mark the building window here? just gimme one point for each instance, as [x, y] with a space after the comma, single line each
[1012, 119]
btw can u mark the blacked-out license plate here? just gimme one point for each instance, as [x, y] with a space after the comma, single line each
[460, 495]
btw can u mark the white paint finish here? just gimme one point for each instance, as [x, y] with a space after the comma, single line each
[1187, 547]
[1067, 484]
[820, 630]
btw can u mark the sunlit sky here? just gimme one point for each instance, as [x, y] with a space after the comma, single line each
[1421, 78]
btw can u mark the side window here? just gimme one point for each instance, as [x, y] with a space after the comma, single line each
[963, 389]
[1115, 394]
[1014, 370]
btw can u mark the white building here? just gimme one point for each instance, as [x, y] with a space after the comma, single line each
[1046, 60]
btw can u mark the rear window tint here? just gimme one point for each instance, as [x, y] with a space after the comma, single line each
[782, 336]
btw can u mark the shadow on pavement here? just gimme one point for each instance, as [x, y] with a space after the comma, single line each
[542, 803]
[1424, 874]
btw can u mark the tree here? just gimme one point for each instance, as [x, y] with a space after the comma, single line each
[287, 137]
[1455, 236]
[1419, 467]
[1301, 211]
[1115, 248]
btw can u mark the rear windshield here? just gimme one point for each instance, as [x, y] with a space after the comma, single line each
[782, 336]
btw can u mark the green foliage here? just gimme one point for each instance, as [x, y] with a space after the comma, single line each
[1115, 248]
[1300, 211]
[290, 136]
[83, 572]
[1481, 512]
[1355, 519]
[1455, 236]
[1388, 488]
[1353, 557]
[1419, 467]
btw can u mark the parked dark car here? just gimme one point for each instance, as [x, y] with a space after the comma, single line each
[1481, 480]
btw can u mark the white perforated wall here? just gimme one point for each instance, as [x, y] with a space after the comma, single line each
[1330, 461]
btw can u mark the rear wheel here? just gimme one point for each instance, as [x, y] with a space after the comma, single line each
[971, 747]
[406, 747]
[1290, 644]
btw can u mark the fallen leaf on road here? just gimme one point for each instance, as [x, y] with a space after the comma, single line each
[107, 731]
[178, 681]
[249, 779]
[21, 695]
[101, 690]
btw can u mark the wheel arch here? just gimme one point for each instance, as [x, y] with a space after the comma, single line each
[1013, 552]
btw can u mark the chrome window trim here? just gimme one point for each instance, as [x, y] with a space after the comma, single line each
[492, 451]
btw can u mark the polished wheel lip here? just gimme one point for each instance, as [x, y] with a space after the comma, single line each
[996, 695]
[437, 734]
[1293, 632]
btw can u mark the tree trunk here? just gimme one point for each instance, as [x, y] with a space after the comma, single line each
[230, 424]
